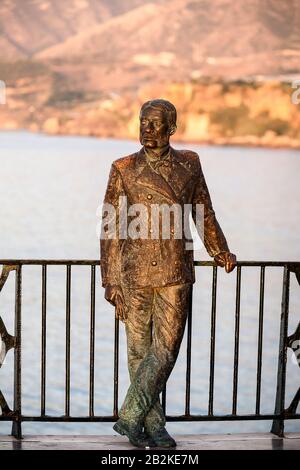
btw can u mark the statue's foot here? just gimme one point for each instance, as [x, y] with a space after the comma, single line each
[134, 433]
[161, 437]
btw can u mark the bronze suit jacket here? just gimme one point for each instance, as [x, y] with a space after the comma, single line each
[137, 263]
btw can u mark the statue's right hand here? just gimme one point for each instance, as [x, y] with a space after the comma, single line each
[114, 295]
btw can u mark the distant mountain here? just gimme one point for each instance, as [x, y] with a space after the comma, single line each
[139, 37]
[192, 38]
[30, 26]
[86, 66]
[191, 29]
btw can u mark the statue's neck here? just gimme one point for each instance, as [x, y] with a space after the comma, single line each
[160, 152]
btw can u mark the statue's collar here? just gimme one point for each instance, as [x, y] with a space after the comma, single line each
[156, 160]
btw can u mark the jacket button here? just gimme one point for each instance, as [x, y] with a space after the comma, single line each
[154, 263]
[149, 196]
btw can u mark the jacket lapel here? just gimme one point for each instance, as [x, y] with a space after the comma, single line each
[178, 173]
[145, 176]
[174, 179]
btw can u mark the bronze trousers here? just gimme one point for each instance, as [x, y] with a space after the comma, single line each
[154, 328]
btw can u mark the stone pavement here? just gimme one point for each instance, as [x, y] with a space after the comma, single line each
[263, 441]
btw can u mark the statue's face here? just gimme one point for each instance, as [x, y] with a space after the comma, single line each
[154, 128]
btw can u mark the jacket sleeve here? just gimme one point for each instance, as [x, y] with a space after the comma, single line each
[211, 233]
[110, 244]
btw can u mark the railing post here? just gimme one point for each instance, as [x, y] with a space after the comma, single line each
[68, 342]
[212, 343]
[116, 368]
[17, 423]
[92, 343]
[260, 338]
[278, 424]
[236, 340]
[189, 354]
[43, 342]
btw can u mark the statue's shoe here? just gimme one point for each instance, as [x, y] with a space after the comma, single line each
[161, 437]
[134, 433]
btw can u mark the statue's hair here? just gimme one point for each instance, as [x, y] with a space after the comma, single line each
[164, 106]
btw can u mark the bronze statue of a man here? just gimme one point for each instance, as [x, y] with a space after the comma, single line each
[148, 278]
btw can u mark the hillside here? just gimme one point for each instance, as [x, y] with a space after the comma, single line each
[235, 113]
[84, 66]
[30, 26]
[194, 37]
[131, 40]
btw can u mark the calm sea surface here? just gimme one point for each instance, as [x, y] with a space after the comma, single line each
[50, 189]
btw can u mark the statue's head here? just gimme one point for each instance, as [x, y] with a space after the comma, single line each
[157, 123]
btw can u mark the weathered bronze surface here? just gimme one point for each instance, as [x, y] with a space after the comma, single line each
[148, 279]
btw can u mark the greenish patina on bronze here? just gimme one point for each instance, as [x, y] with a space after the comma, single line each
[149, 280]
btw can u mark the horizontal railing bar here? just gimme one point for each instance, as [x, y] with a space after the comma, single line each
[80, 262]
[252, 263]
[109, 419]
[87, 262]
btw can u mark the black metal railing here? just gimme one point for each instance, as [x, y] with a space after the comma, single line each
[14, 341]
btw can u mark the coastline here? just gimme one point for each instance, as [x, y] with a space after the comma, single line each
[270, 141]
[256, 114]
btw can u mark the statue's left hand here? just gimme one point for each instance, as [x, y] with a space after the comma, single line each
[227, 259]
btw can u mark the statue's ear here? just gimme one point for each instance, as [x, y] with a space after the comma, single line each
[172, 129]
